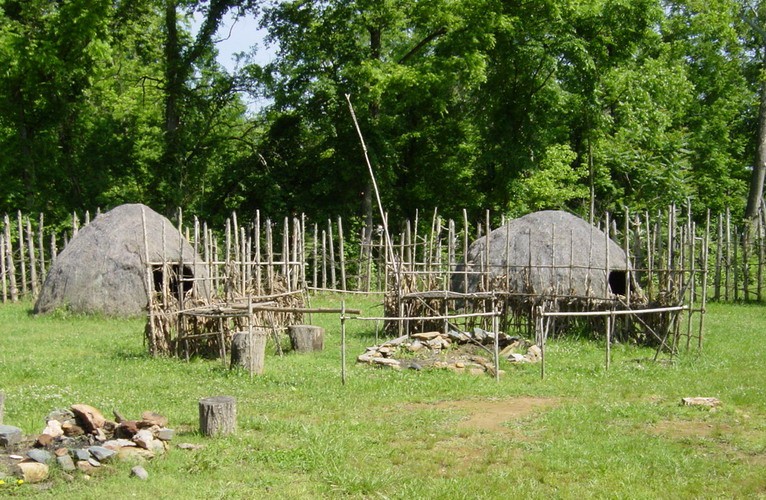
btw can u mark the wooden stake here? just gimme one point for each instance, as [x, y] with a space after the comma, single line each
[10, 267]
[22, 254]
[3, 274]
[32, 260]
[41, 247]
[343, 342]
[342, 255]
[332, 254]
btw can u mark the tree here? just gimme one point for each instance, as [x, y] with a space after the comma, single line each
[751, 16]
[51, 54]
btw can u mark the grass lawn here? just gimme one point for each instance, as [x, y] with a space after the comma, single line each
[581, 432]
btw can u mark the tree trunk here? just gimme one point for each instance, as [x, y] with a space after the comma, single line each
[374, 110]
[755, 195]
[170, 173]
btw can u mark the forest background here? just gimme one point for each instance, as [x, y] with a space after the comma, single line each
[505, 105]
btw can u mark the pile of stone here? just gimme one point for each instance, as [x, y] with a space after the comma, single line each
[410, 351]
[82, 439]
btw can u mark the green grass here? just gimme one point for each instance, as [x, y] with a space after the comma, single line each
[388, 434]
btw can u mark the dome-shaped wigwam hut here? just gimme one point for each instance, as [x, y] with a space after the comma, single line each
[104, 267]
[547, 255]
[549, 259]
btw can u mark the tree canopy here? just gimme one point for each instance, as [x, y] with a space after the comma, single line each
[464, 105]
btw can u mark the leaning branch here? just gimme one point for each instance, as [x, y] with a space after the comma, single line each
[441, 31]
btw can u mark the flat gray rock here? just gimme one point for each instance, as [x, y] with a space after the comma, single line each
[40, 456]
[66, 463]
[10, 435]
[139, 472]
[101, 454]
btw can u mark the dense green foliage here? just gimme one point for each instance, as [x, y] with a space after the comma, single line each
[582, 432]
[478, 104]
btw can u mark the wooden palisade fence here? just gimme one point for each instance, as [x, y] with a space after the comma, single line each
[716, 258]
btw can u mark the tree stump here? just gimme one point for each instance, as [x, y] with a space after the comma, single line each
[218, 416]
[249, 357]
[306, 338]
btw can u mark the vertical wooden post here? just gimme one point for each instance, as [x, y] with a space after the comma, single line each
[286, 252]
[450, 253]
[466, 229]
[332, 254]
[257, 237]
[246, 259]
[41, 247]
[32, 260]
[626, 243]
[692, 283]
[207, 259]
[236, 255]
[736, 264]
[496, 332]
[760, 231]
[10, 267]
[342, 252]
[718, 257]
[385, 261]
[269, 256]
[324, 259]
[487, 271]
[609, 321]
[727, 268]
[228, 271]
[315, 257]
[54, 249]
[415, 230]
[180, 286]
[606, 254]
[22, 254]
[3, 274]
[343, 342]
[745, 240]
[705, 257]
[149, 288]
[251, 339]
[651, 236]
[296, 263]
[408, 240]
[304, 257]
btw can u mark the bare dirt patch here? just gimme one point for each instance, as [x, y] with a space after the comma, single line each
[491, 415]
[680, 429]
[466, 442]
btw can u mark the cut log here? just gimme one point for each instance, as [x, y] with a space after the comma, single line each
[218, 416]
[306, 338]
[250, 357]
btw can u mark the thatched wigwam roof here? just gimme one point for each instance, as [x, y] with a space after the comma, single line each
[103, 269]
[548, 253]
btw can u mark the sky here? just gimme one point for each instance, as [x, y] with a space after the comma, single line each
[236, 36]
[240, 35]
